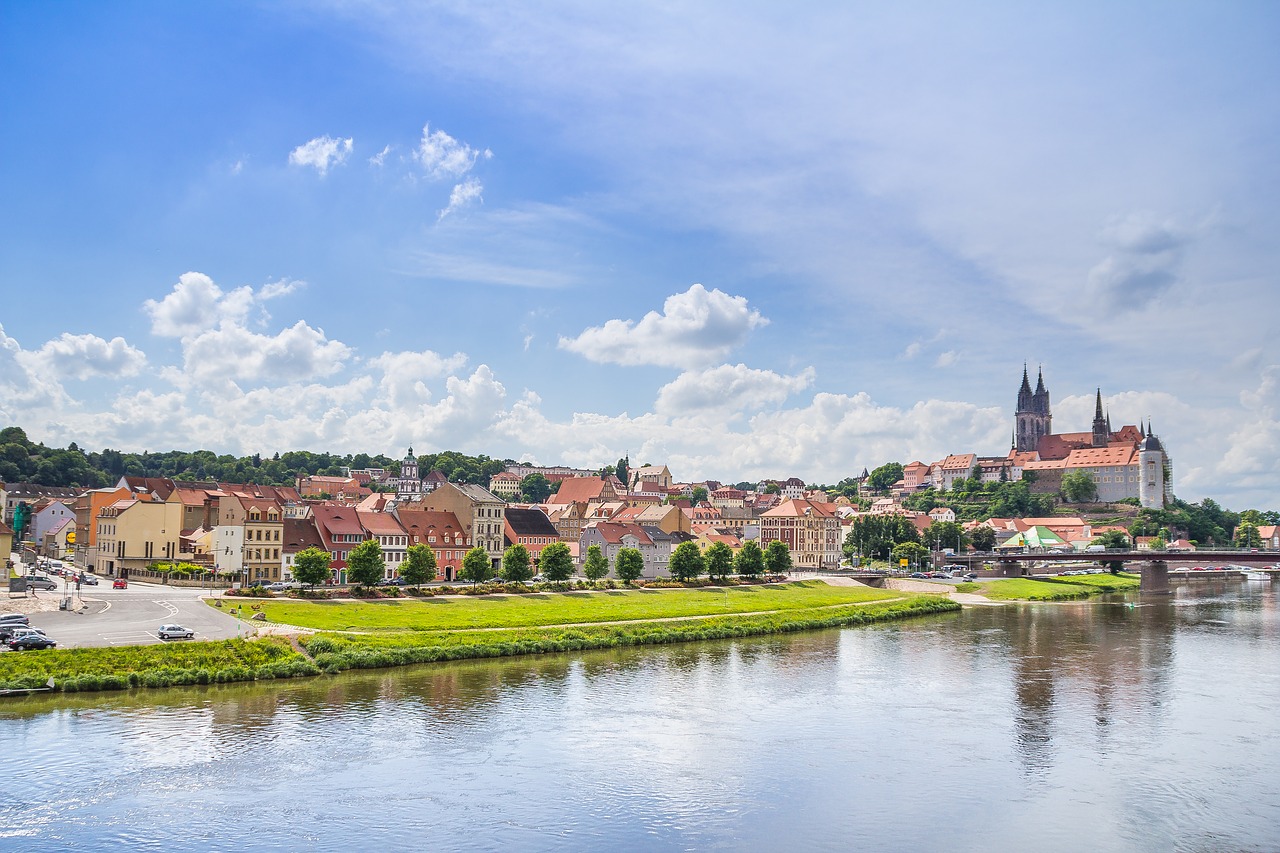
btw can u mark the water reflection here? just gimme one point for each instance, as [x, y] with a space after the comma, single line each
[977, 730]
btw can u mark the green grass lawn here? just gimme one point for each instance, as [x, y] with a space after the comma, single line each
[155, 665]
[1057, 589]
[517, 611]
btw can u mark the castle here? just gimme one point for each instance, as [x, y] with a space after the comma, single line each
[1126, 463]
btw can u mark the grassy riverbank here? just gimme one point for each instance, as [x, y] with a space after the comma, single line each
[1057, 589]
[336, 652]
[398, 636]
[560, 608]
[122, 667]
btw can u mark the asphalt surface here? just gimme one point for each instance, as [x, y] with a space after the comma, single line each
[102, 616]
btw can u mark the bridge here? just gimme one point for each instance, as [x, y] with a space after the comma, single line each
[1154, 566]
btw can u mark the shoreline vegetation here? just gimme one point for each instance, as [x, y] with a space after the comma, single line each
[493, 627]
[1072, 588]
[399, 632]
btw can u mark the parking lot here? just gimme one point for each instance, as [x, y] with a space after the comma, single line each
[103, 616]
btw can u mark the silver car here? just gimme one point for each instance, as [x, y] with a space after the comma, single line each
[174, 632]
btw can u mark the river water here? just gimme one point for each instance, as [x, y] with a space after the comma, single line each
[1124, 725]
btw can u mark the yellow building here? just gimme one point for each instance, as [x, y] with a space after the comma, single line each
[133, 534]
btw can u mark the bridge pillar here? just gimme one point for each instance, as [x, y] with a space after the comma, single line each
[1009, 569]
[1155, 578]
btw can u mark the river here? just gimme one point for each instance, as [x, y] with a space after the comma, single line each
[1132, 724]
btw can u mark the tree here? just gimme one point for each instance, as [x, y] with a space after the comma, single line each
[365, 563]
[982, 538]
[555, 562]
[777, 558]
[516, 564]
[476, 566]
[772, 489]
[1112, 539]
[596, 566]
[876, 535]
[699, 495]
[882, 478]
[311, 566]
[1077, 487]
[687, 562]
[535, 488]
[719, 558]
[1247, 536]
[419, 566]
[628, 565]
[749, 561]
[944, 534]
[913, 552]
[620, 470]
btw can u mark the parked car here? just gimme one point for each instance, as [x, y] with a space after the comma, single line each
[9, 630]
[918, 575]
[88, 580]
[23, 642]
[41, 582]
[174, 632]
[119, 583]
[14, 618]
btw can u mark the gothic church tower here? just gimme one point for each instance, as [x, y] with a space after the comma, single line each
[1032, 417]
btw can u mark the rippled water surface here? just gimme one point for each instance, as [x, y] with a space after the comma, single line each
[1130, 725]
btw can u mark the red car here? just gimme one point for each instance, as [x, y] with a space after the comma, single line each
[119, 583]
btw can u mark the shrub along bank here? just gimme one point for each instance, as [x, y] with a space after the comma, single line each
[164, 665]
[337, 652]
[1058, 589]
[124, 667]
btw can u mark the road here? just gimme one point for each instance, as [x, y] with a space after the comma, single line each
[102, 616]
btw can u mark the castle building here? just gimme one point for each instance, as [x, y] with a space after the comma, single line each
[1126, 463]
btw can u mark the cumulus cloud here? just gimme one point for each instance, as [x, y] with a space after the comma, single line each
[946, 359]
[379, 158]
[197, 304]
[233, 352]
[322, 153]
[729, 387]
[696, 328]
[85, 356]
[462, 195]
[24, 388]
[442, 156]
[404, 375]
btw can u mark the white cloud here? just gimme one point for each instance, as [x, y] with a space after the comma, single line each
[25, 390]
[946, 359]
[462, 195]
[404, 376]
[695, 328]
[232, 352]
[442, 156]
[379, 158]
[322, 153]
[85, 356]
[728, 388]
[197, 304]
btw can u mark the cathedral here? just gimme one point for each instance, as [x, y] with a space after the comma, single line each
[1126, 463]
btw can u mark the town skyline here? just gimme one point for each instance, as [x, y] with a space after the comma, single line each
[738, 242]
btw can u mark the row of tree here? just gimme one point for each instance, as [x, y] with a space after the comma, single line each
[366, 564]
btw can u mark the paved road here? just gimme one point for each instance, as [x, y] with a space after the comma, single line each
[102, 616]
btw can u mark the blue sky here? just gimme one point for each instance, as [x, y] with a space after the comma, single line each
[740, 239]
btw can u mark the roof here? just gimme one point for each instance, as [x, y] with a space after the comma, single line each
[337, 519]
[575, 489]
[799, 506]
[530, 522]
[423, 522]
[300, 534]
[612, 532]
[380, 523]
